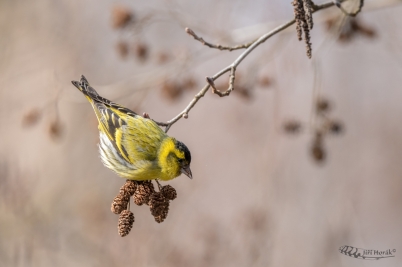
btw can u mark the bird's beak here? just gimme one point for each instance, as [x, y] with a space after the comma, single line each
[187, 171]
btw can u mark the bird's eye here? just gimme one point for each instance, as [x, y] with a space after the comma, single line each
[180, 160]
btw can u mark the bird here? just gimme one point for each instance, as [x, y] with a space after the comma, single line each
[135, 147]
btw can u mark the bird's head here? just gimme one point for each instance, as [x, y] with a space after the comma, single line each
[183, 159]
[174, 159]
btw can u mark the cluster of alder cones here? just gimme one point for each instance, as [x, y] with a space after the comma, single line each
[303, 10]
[324, 125]
[142, 192]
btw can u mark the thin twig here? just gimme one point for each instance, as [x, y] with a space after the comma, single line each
[159, 185]
[232, 67]
[217, 46]
[231, 84]
[344, 11]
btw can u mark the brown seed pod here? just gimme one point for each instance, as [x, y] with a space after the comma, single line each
[330, 23]
[160, 218]
[336, 127]
[141, 51]
[243, 92]
[292, 127]
[143, 191]
[119, 203]
[126, 221]
[304, 21]
[55, 129]
[121, 17]
[189, 83]
[366, 31]
[265, 81]
[171, 90]
[307, 40]
[299, 17]
[318, 153]
[128, 189]
[308, 9]
[352, 28]
[122, 49]
[162, 57]
[317, 149]
[323, 105]
[169, 192]
[31, 117]
[159, 206]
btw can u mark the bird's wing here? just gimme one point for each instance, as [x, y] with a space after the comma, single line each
[134, 137]
[141, 139]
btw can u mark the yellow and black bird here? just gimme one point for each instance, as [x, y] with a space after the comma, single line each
[135, 147]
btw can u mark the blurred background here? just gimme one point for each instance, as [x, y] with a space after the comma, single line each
[302, 158]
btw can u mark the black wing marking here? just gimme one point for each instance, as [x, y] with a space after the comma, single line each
[96, 97]
[105, 110]
[91, 92]
[110, 119]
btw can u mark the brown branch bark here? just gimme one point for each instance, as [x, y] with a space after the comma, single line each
[217, 46]
[231, 68]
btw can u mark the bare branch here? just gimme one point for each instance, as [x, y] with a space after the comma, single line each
[231, 68]
[217, 46]
[184, 113]
[231, 84]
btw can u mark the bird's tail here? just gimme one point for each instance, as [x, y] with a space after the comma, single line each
[85, 88]
[98, 102]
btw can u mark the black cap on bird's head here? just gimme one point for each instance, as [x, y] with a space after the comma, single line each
[184, 163]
